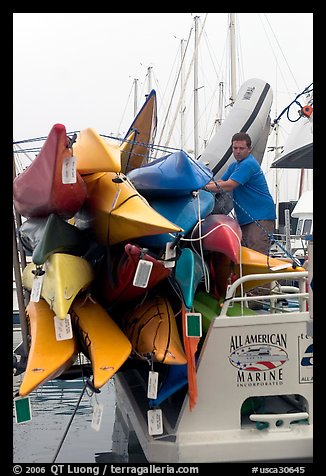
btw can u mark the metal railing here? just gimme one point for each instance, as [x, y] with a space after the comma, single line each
[302, 295]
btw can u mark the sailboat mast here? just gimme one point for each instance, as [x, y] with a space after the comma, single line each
[182, 92]
[149, 79]
[182, 105]
[135, 96]
[219, 118]
[196, 90]
[233, 71]
[277, 192]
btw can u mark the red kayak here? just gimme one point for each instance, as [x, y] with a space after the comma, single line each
[220, 233]
[51, 184]
[117, 275]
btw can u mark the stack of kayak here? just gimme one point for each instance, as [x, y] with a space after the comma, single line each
[122, 248]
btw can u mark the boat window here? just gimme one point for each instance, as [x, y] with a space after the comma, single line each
[307, 227]
[299, 226]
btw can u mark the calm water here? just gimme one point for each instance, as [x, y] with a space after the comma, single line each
[53, 404]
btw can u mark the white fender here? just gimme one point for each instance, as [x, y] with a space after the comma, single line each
[250, 113]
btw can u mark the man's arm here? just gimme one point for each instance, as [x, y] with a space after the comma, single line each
[227, 185]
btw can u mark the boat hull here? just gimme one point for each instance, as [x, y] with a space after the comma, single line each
[52, 234]
[100, 338]
[47, 357]
[65, 276]
[251, 262]
[152, 329]
[115, 278]
[120, 213]
[189, 273]
[173, 175]
[140, 136]
[221, 233]
[40, 190]
[182, 211]
[94, 154]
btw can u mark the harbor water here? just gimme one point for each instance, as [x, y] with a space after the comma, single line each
[53, 435]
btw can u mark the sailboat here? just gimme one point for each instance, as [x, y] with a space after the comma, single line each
[297, 157]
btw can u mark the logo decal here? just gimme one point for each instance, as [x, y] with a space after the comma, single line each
[258, 358]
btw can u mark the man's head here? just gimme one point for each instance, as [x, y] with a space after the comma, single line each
[241, 145]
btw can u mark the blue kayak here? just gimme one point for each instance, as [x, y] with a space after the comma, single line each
[189, 273]
[182, 211]
[176, 378]
[170, 176]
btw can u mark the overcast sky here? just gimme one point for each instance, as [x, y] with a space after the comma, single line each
[79, 68]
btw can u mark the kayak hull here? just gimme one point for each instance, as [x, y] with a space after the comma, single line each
[40, 189]
[100, 338]
[47, 357]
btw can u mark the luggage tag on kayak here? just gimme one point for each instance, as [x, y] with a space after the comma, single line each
[280, 266]
[23, 410]
[37, 288]
[152, 384]
[69, 170]
[63, 329]
[142, 273]
[170, 253]
[97, 416]
[193, 324]
[227, 290]
[155, 423]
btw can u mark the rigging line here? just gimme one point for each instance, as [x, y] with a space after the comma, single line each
[186, 80]
[70, 422]
[30, 140]
[124, 111]
[275, 59]
[270, 235]
[278, 44]
[175, 85]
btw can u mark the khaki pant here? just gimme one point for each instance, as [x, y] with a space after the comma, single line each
[255, 236]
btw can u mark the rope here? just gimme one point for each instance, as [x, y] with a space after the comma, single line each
[295, 101]
[271, 237]
[70, 422]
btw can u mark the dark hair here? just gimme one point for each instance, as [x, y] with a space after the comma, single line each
[242, 136]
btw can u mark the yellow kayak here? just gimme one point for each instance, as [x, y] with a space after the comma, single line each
[47, 357]
[140, 136]
[120, 212]
[152, 330]
[102, 340]
[65, 276]
[94, 154]
[251, 262]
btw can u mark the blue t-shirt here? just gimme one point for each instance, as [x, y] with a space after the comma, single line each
[252, 199]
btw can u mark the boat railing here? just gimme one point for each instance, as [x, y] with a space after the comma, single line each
[299, 292]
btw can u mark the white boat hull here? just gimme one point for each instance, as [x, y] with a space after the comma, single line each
[216, 430]
[250, 113]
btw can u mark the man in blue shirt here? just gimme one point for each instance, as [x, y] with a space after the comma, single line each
[253, 203]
